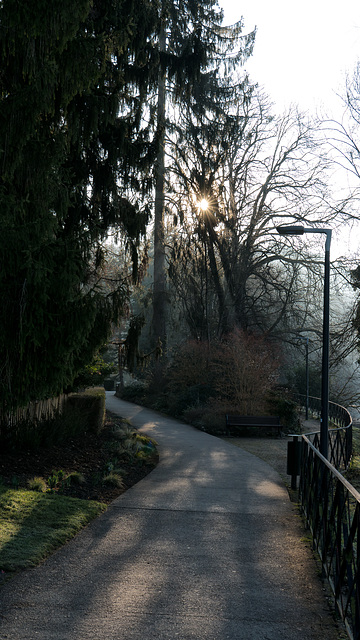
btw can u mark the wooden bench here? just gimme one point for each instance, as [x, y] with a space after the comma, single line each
[261, 422]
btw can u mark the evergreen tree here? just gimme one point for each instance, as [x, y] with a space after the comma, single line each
[73, 83]
[197, 54]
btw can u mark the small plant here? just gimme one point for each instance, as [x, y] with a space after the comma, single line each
[109, 467]
[120, 471]
[37, 484]
[146, 440]
[145, 447]
[57, 481]
[129, 444]
[114, 479]
[76, 477]
[142, 456]
[52, 481]
[122, 432]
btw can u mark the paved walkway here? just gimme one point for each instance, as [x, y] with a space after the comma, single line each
[206, 547]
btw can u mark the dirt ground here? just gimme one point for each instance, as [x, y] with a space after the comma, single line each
[272, 450]
[88, 455]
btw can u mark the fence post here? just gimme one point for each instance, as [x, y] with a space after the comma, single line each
[293, 459]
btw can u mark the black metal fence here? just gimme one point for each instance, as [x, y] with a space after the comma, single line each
[331, 507]
[340, 432]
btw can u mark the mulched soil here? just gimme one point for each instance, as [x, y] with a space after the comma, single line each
[87, 455]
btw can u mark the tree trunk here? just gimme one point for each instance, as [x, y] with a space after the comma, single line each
[159, 291]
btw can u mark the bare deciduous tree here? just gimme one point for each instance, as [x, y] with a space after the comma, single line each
[254, 171]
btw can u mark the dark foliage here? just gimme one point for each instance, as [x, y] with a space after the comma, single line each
[73, 82]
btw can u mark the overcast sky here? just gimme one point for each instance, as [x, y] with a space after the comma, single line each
[303, 49]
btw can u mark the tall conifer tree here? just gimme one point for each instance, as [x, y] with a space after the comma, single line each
[73, 81]
[196, 51]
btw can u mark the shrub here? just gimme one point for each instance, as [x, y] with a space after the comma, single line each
[57, 481]
[76, 477]
[246, 370]
[86, 410]
[122, 432]
[213, 421]
[37, 484]
[94, 374]
[192, 366]
[197, 395]
[133, 392]
[206, 381]
[206, 419]
[114, 479]
[281, 404]
[109, 384]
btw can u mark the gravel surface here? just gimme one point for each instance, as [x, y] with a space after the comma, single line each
[271, 450]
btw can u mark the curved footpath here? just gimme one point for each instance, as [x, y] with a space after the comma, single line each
[206, 547]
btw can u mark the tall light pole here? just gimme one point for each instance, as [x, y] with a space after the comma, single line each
[324, 424]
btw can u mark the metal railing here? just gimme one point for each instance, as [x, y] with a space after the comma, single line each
[331, 507]
[340, 436]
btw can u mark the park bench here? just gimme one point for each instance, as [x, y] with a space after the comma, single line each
[234, 423]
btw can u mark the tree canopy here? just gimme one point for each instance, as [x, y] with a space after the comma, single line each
[78, 143]
[201, 55]
[73, 82]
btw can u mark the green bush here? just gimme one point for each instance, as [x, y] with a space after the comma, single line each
[178, 402]
[206, 418]
[281, 404]
[86, 409]
[94, 374]
[133, 392]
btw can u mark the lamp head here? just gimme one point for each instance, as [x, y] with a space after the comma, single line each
[287, 230]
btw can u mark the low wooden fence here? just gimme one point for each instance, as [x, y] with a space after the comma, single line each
[44, 409]
[34, 413]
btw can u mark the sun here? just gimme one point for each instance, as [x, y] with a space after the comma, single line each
[203, 204]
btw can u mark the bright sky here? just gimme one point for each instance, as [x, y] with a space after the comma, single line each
[303, 49]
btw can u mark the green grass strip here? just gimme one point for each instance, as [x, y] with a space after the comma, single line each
[33, 525]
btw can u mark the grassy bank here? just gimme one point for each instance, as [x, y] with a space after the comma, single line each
[41, 505]
[33, 525]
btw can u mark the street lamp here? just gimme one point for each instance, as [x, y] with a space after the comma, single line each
[324, 423]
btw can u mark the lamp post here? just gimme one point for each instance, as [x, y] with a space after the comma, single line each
[324, 424]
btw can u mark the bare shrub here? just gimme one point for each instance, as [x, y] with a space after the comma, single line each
[233, 375]
[192, 365]
[246, 370]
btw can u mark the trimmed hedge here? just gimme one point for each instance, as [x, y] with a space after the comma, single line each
[87, 409]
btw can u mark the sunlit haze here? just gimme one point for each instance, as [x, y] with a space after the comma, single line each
[303, 51]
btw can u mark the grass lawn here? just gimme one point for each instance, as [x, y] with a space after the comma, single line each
[33, 525]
